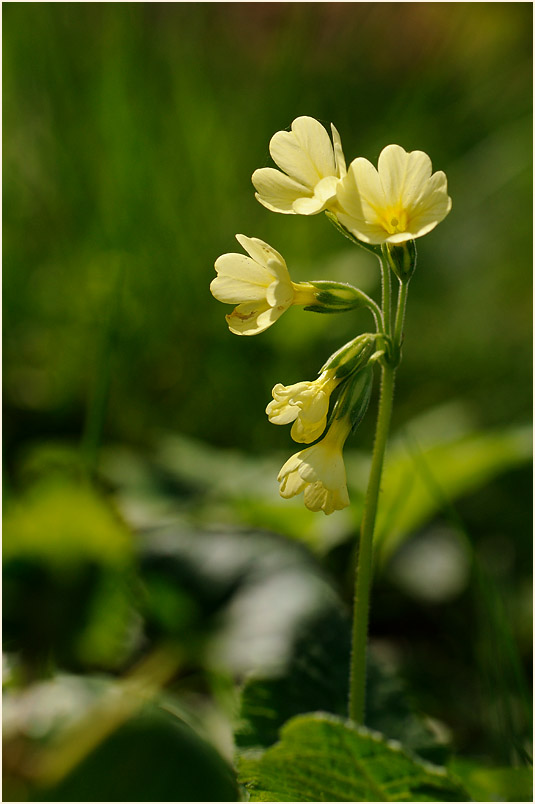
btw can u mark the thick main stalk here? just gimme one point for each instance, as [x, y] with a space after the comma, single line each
[357, 690]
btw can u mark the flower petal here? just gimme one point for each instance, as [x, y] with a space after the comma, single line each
[305, 153]
[252, 318]
[305, 432]
[367, 232]
[233, 290]
[261, 252]
[280, 294]
[281, 413]
[291, 485]
[276, 191]
[432, 206]
[291, 465]
[279, 268]
[339, 157]
[318, 498]
[308, 206]
[403, 175]
[315, 496]
[360, 193]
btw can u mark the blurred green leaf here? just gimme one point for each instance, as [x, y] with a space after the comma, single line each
[494, 784]
[68, 568]
[65, 524]
[324, 758]
[420, 475]
[153, 757]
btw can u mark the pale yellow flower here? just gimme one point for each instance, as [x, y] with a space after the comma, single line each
[259, 285]
[312, 168]
[319, 472]
[306, 404]
[399, 201]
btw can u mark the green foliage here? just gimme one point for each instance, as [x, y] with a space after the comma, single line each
[91, 749]
[317, 677]
[421, 479]
[324, 758]
[68, 569]
[114, 151]
[153, 757]
[495, 784]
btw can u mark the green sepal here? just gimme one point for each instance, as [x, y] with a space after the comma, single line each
[355, 398]
[336, 297]
[352, 356]
[402, 259]
[316, 308]
[346, 233]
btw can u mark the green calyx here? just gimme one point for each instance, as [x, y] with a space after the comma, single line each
[351, 357]
[402, 259]
[355, 397]
[337, 297]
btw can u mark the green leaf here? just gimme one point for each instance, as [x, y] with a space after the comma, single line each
[435, 460]
[324, 758]
[68, 571]
[152, 757]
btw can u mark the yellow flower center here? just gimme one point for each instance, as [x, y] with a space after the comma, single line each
[394, 219]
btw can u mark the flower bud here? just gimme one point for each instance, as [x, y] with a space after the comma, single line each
[336, 297]
[403, 259]
[351, 356]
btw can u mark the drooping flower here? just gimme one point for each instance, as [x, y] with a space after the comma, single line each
[398, 201]
[319, 472]
[311, 166]
[260, 286]
[306, 404]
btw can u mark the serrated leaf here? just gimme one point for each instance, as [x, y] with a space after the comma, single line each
[324, 758]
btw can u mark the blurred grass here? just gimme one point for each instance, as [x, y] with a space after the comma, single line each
[130, 134]
[131, 131]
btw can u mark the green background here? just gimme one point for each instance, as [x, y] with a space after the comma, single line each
[131, 131]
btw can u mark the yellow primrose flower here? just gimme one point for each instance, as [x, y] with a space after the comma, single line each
[306, 404]
[319, 471]
[399, 201]
[312, 168]
[259, 284]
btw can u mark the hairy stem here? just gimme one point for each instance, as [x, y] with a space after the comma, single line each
[357, 689]
[386, 292]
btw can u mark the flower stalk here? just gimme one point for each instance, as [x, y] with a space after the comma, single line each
[382, 210]
[357, 683]
[364, 576]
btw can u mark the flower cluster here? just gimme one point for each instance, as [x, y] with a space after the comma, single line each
[383, 208]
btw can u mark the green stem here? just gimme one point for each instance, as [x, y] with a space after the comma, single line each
[357, 689]
[400, 313]
[387, 291]
[377, 313]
